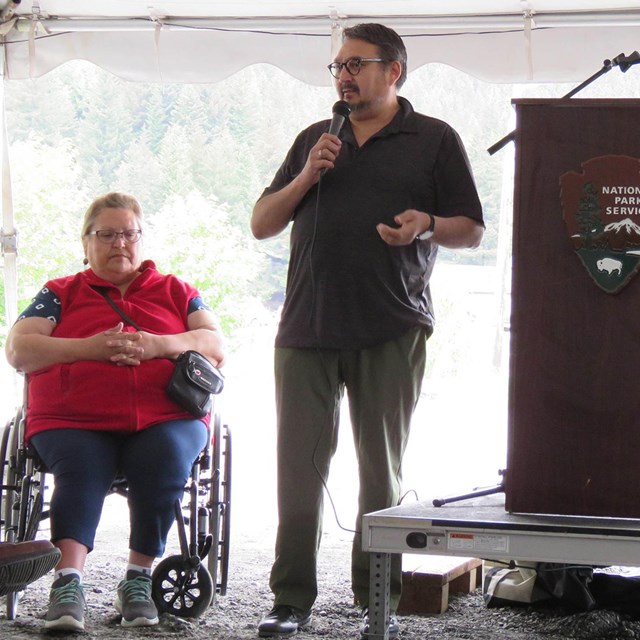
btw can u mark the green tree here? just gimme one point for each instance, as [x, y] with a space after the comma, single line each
[49, 204]
[190, 237]
[107, 126]
[140, 173]
[588, 214]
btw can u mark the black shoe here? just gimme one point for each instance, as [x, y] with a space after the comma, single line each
[392, 625]
[283, 620]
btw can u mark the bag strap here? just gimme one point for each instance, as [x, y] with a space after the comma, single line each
[121, 313]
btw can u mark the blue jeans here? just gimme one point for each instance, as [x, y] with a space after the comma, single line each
[156, 463]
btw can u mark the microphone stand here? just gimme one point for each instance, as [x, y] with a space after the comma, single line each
[622, 61]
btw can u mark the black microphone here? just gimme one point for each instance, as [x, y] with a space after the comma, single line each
[624, 62]
[341, 111]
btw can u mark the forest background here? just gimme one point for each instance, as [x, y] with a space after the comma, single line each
[199, 155]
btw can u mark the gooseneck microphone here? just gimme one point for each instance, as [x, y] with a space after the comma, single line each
[341, 111]
[624, 62]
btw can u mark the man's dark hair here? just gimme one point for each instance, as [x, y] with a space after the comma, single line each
[387, 40]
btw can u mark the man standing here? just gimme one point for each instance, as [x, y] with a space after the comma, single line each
[369, 208]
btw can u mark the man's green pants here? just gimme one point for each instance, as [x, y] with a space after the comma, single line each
[383, 386]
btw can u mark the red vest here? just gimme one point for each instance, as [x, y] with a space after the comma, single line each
[100, 395]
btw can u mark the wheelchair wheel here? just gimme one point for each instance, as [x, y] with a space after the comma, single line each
[4, 497]
[180, 590]
[12, 600]
[220, 506]
[22, 495]
[7, 452]
[24, 503]
[9, 513]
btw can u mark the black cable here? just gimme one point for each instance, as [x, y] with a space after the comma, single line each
[324, 365]
[325, 368]
[286, 33]
[406, 493]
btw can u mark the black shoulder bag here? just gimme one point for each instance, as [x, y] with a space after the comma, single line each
[194, 380]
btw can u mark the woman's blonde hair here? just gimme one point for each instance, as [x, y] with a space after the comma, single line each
[113, 200]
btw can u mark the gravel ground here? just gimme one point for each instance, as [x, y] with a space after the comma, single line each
[235, 615]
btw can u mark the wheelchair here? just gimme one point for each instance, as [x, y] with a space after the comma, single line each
[182, 585]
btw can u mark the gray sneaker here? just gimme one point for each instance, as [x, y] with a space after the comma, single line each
[134, 601]
[66, 605]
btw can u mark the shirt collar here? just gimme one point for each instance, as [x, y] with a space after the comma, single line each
[403, 121]
[147, 268]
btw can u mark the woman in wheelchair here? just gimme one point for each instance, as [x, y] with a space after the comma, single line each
[97, 405]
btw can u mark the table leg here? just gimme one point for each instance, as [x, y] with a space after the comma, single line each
[379, 590]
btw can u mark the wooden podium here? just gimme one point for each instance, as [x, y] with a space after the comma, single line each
[574, 398]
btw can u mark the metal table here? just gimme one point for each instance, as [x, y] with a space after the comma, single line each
[482, 528]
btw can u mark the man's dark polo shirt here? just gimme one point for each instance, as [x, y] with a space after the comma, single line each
[346, 288]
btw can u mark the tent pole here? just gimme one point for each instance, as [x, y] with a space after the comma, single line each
[8, 233]
[336, 34]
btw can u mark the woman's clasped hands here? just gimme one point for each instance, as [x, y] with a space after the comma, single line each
[124, 348]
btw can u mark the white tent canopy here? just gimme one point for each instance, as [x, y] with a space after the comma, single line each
[208, 40]
[508, 41]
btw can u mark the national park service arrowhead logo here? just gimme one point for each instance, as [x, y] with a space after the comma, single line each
[601, 210]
